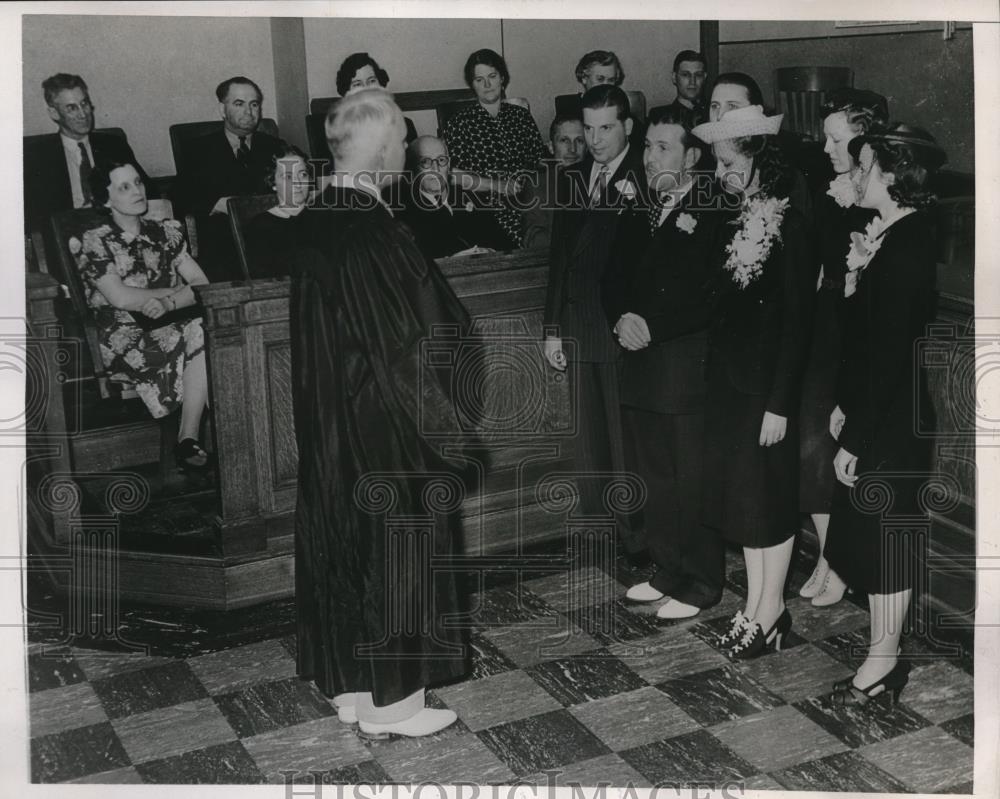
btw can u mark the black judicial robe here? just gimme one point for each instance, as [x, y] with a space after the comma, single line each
[370, 612]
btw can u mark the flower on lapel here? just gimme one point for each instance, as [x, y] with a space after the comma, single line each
[842, 190]
[470, 206]
[863, 249]
[687, 223]
[626, 189]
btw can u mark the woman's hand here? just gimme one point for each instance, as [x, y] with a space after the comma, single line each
[845, 464]
[772, 429]
[155, 307]
[837, 419]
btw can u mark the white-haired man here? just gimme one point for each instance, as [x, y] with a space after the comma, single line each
[370, 608]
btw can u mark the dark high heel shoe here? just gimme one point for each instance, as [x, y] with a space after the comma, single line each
[737, 625]
[188, 453]
[847, 682]
[755, 642]
[892, 683]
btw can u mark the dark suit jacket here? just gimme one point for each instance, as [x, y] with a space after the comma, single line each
[46, 179]
[665, 279]
[581, 248]
[760, 334]
[210, 170]
[440, 232]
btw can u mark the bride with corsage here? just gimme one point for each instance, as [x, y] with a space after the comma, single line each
[757, 348]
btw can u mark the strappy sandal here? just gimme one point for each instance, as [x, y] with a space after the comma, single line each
[188, 453]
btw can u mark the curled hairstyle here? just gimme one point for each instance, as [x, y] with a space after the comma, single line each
[600, 58]
[604, 95]
[222, 90]
[100, 179]
[350, 67]
[285, 151]
[774, 175]
[689, 55]
[352, 117]
[754, 94]
[60, 82]
[865, 111]
[489, 58]
[910, 163]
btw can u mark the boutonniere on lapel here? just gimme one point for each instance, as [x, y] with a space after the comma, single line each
[470, 206]
[842, 190]
[687, 223]
[760, 225]
[863, 249]
[626, 191]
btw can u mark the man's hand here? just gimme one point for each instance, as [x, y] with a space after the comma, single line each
[837, 419]
[632, 332]
[554, 354]
[772, 429]
[845, 464]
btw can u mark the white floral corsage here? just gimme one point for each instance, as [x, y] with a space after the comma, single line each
[626, 189]
[760, 225]
[470, 206]
[842, 190]
[863, 249]
[687, 223]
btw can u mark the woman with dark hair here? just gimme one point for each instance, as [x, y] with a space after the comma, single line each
[847, 113]
[271, 236]
[138, 276]
[757, 347]
[882, 398]
[733, 90]
[360, 71]
[494, 140]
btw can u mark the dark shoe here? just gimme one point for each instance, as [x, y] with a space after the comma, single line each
[639, 560]
[737, 626]
[190, 455]
[755, 642]
[892, 684]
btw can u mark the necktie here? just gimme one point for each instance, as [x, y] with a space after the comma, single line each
[656, 207]
[243, 152]
[600, 185]
[85, 169]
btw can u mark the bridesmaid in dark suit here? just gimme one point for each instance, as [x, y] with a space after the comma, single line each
[846, 113]
[757, 348]
[881, 399]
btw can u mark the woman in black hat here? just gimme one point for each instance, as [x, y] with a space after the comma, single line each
[847, 113]
[882, 465]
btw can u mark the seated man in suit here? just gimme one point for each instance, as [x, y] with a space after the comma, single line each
[443, 222]
[568, 145]
[656, 298]
[688, 77]
[57, 170]
[229, 162]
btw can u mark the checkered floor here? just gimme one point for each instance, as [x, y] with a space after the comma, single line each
[562, 692]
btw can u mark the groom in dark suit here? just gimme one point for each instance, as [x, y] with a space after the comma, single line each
[591, 197]
[657, 301]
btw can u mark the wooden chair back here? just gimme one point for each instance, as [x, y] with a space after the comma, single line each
[241, 210]
[637, 104]
[799, 92]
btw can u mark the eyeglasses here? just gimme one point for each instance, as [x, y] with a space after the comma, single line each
[440, 162]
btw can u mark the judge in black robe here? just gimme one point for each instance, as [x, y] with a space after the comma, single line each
[372, 597]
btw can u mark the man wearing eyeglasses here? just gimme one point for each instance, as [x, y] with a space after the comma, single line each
[56, 169]
[443, 221]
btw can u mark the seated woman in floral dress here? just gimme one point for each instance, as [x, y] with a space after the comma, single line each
[138, 276]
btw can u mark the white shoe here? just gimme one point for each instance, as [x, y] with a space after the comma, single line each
[427, 722]
[643, 592]
[832, 593]
[347, 714]
[814, 585]
[675, 609]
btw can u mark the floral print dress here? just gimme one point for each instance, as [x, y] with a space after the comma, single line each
[153, 360]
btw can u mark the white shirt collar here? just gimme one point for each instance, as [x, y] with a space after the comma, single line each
[595, 168]
[674, 199]
[434, 200]
[234, 140]
[73, 145]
